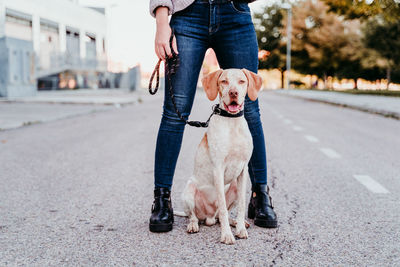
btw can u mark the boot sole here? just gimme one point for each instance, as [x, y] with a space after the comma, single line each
[260, 222]
[160, 228]
[265, 223]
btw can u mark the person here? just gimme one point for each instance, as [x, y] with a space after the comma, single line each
[226, 27]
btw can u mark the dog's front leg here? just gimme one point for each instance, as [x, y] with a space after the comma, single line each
[226, 233]
[241, 231]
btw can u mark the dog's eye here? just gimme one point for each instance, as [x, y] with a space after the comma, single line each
[242, 81]
[224, 82]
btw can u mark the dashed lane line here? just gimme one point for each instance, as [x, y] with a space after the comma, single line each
[287, 121]
[311, 138]
[330, 153]
[371, 184]
[297, 128]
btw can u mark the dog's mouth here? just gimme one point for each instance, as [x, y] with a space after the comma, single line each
[233, 107]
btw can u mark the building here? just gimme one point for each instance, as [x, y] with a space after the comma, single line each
[49, 44]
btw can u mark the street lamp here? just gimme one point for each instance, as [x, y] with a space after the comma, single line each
[288, 7]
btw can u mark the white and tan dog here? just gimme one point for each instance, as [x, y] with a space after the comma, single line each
[220, 171]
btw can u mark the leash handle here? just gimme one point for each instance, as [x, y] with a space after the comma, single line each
[155, 71]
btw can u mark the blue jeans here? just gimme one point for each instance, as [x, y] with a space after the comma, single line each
[228, 29]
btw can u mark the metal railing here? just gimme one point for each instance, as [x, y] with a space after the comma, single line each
[53, 63]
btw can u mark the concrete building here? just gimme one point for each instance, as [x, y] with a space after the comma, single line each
[49, 44]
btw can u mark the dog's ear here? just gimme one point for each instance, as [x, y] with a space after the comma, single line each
[254, 84]
[210, 84]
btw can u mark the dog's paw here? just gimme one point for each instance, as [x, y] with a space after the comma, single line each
[227, 238]
[193, 227]
[210, 221]
[242, 233]
[233, 223]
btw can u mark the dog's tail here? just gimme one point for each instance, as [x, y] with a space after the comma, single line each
[180, 213]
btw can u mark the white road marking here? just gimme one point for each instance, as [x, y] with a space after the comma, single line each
[329, 152]
[297, 128]
[287, 121]
[371, 184]
[311, 138]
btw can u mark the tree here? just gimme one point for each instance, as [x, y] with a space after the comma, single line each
[384, 37]
[322, 44]
[390, 9]
[268, 25]
[381, 30]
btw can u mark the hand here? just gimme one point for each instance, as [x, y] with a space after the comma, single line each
[163, 35]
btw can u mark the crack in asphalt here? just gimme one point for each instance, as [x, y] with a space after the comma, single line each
[281, 244]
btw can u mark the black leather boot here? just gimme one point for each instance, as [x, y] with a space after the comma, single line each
[162, 215]
[260, 207]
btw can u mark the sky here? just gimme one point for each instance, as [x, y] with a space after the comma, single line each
[131, 31]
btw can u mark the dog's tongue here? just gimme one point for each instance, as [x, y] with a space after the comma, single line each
[233, 108]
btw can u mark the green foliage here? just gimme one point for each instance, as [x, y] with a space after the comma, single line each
[384, 38]
[268, 25]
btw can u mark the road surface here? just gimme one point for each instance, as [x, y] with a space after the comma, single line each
[78, 191]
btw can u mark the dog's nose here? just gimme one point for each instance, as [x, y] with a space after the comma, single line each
[233, 94]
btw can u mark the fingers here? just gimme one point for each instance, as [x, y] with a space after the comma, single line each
[159, 49]
[174, 45]
[156, 51]
[161, 52]
[167, 50]
[162, 47]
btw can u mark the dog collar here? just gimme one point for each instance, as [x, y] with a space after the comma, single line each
[219, 111]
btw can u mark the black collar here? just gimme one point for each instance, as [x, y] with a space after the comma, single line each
[219, 111]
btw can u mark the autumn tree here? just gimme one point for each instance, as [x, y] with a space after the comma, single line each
[322, 44]
[388, 9]
[385, 39]
[381, 30]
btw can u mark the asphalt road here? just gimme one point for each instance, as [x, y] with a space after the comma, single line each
[78, 191]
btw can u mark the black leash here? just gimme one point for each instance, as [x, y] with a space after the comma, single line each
[171, 66]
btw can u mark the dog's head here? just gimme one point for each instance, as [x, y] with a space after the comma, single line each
[232, 85]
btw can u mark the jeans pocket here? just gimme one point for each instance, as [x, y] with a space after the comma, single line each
[239, 7]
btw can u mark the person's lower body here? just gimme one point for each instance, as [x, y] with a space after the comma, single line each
[228, 29]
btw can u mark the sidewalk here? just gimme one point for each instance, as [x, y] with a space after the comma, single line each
[54, 105]
[383, 105]
[81, 96]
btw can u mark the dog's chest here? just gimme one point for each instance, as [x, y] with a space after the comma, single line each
[231, 145]
[236, 158]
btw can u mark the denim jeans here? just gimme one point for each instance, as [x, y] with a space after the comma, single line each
[228, 29]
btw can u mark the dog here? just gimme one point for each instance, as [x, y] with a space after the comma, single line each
[221, 172]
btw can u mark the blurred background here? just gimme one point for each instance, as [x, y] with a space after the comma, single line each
[319, 44]
[78, 132]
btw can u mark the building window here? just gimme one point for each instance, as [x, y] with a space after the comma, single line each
[17, 20]
[90, 41]
[18, 25]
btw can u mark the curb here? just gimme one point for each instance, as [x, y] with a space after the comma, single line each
[384, 113]
[73, 102]
[40, 121]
